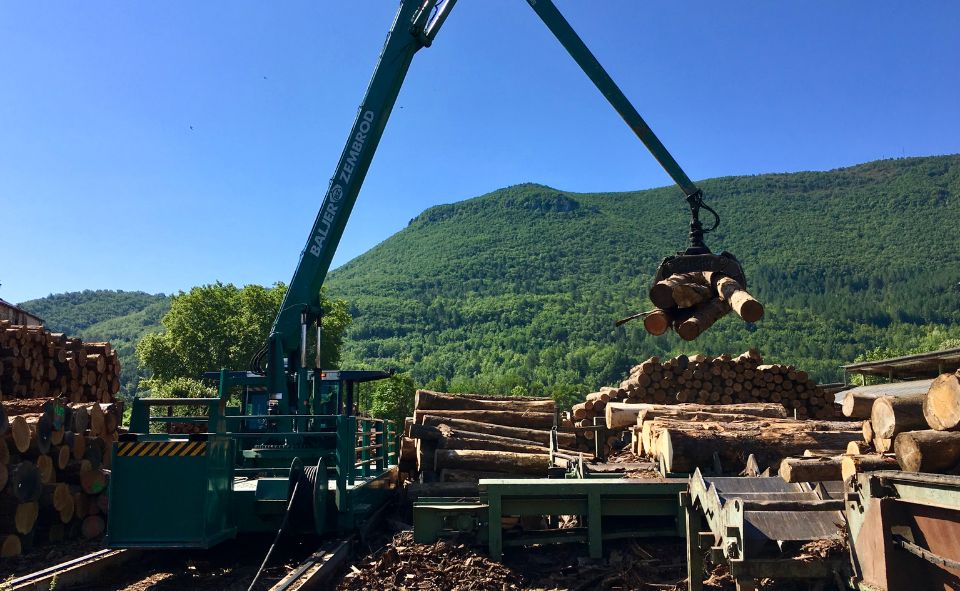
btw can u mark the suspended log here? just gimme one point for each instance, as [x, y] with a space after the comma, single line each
[492, 461]
[662, 292]
[743, 304]
[893, 415]
[509, 418]
[657, 322]
[818, 469]
[704, 316]
[942, 406]
[852, 465]
[429, 400]
[928, 451]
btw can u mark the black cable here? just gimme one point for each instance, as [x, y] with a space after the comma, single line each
[283, 526]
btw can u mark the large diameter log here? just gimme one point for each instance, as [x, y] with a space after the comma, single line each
[566, 440]
[624, 414]
[858, 402]
[928, 451]
[429, 400]
[509, 418]
[684, 450]
[743, 304]
[942, 406]
[852, 465]
[893, 415]
[408, 450]
[810, 469]
[492, 461]
[661, 293]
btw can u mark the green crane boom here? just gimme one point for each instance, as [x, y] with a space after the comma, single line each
[415, 26]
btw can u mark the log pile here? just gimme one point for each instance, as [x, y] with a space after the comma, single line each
[54, 467]
[919, 422]
[58, 420]
[690, 303]
[721, 438]
[465, 437]
[744, 379]
[36, 363]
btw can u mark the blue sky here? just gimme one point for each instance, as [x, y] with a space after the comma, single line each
[159, 145]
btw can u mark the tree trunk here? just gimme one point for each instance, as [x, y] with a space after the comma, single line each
[942, 407]
[541, 436]
[810, 469]
[855, 464]
[509, 418]
[622, 414]
[928, 451]
[744, 304]
[493, 461]
[684, 450]
[662, 292]
[429, 400]
[704, 316]
[893, 415]
[858, 402]
[486, 444]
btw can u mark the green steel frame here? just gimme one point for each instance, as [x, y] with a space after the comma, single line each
[642, 508]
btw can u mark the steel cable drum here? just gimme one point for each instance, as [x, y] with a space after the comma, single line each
[310, 504]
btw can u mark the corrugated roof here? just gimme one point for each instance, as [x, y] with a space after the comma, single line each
[922, 365]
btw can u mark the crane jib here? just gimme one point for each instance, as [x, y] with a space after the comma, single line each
[335, 194]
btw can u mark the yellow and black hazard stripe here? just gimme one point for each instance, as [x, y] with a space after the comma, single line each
[168, 449]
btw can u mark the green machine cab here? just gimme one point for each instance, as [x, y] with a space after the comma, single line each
[196, 490]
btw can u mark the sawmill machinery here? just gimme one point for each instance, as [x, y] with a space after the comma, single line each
[285, 436]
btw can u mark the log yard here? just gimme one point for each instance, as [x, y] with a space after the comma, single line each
[709, 455]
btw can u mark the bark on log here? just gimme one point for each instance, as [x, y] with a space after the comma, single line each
[928, 451]
[492, 461]
[893, 415]
[704, 316]
[508, 418]
[942, 406]
[858, 402]
[429, 400]
[566, 440]
[445, 431]
[855, 464]
[622, 414]
[661, 294]
[745, 305]
[810, 469]
[685, 450]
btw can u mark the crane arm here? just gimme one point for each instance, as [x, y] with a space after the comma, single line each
[414, 27]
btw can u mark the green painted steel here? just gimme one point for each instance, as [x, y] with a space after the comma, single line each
[654, 504]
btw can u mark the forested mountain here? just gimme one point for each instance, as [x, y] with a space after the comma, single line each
[121, 317]
[521, 286]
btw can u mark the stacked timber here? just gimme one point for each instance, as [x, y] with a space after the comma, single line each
[721, 438]
[935, 445]
[698, 379]
[465, 437]
[858, 402]
[36, 363]
[690, 303]
[54, 466]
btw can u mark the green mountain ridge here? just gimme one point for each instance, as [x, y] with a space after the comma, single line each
[521, 286]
